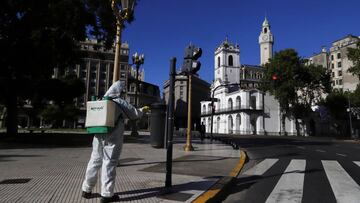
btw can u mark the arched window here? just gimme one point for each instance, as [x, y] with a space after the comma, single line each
[231, 63]
[253, 102]
[230, 124]
[209, 125]
[204, 108]
[230, 104]
[339, 55]
[238, 102]
[218, 61]
[265, 30]
[237, 123]
[217, 129]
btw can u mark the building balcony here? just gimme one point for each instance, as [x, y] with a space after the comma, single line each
[234, 109]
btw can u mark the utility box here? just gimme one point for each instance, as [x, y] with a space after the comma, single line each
[100, 116]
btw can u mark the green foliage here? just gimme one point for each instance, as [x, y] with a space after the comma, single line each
[337, 104]
[354, 57]
[283, 66]
[38, 35]
[61, 91]
[55, 114]
[297, 85]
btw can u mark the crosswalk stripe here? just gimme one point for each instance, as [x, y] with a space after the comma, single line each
[344, 187]
[290, 186]
[262, 167]
[357, 163]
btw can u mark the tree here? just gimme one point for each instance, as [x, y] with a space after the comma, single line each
[294, 84]
[281, 71]
[354, 57]
[38, 35]
[62, 92]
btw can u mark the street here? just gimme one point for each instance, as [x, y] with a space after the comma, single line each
[290, 169]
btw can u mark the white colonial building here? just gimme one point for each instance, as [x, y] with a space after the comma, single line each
[238, 106]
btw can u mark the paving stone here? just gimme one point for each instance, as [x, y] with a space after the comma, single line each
[56, 174]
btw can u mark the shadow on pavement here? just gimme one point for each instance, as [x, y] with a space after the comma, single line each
[163, 192]
[56, 140]
[7, 157]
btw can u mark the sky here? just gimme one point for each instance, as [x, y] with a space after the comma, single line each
[163, 28]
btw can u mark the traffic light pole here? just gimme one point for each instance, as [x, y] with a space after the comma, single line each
[188, 146]
[170, 124]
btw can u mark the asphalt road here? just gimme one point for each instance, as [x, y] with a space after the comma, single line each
[291, 169]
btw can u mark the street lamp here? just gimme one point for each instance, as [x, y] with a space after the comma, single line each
[212, 104]
[122, 12]
[138, 59]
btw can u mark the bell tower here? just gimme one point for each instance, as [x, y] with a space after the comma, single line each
[266, 41]
[227, 63]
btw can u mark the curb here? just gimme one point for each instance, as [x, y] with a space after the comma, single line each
[214, 193]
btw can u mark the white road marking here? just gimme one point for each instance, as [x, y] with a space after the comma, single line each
[340, 154]
[344, 187]
[290, 186]
[261, 167]
[300, 147]
[319, 150]
[357, 163]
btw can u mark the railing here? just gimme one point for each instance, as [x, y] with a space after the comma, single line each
[231, 109]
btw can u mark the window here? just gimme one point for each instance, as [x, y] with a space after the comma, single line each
[339, 55]
[339, 73]
[332, 65]
[340, 82]
[132, 88]
[333, 74]
[218, 60]
[231, 60]
[132, 100]
[339, 64]
[265, 30]
[332, 57]
[230, 104]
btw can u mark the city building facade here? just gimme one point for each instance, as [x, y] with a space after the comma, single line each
[96, 71]
[237, 106]
[338, 64]
[200, 91]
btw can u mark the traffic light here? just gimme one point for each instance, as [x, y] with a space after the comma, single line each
[275, 80]
[191, 56]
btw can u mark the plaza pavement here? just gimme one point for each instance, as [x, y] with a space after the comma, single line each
[54, 173]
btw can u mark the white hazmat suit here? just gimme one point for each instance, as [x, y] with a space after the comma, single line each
[107, 147]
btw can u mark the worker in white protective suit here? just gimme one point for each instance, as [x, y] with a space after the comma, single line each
[107, 148]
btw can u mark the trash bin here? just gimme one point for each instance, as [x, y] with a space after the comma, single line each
[157, 125]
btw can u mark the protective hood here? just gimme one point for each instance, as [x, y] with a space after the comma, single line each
[115, 90]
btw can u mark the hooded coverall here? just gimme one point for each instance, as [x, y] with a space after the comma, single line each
[107, 147]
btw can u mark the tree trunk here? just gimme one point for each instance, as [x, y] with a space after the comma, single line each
[12, 113]
[297, 126]
[283, 123]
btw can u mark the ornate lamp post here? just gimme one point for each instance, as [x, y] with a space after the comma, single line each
[138, 59]
[122, 12]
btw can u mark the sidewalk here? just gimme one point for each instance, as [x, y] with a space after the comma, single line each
[56, 174]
